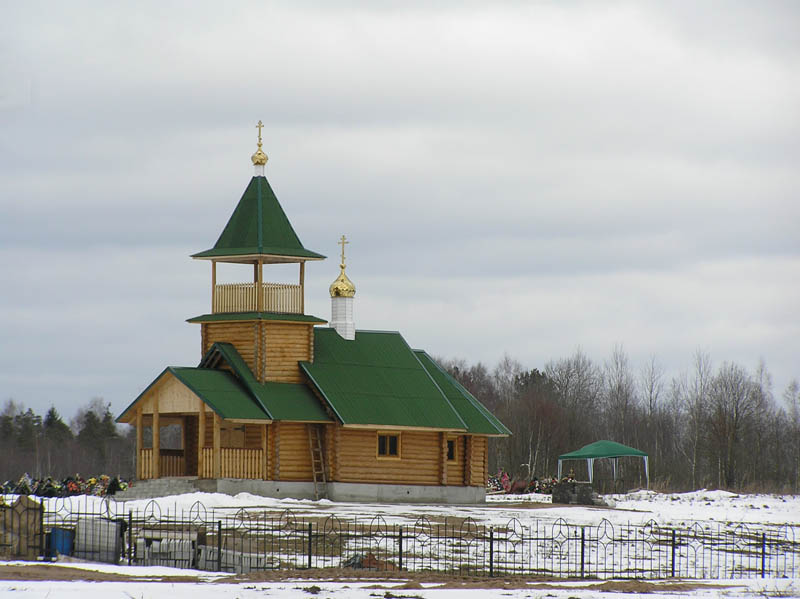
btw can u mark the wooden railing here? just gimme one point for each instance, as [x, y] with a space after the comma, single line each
[241, 463]
[241, 297]
[172, 463]
[234, 463]
[146, 463]
[206, 469]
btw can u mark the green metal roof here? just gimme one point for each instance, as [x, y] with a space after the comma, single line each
[259, 226]
[602, 449]
[280, 401]
[220, 390]
[479, 420]
[377, 380]
[236, 316]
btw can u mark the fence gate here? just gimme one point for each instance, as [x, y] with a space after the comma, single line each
[21, 529]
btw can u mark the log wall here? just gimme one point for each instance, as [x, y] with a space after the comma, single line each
[455, 469]
[419, 462]
[294, 457]
[270, 349]
[477, 463]
[286, 344]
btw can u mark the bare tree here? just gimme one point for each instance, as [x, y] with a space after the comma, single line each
[619, 395]
[792, 398]
[733, 402]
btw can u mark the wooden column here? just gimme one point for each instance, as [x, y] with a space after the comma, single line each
[442, 458]
[217, 453]
[302, 289]
[259, 278]
[336, 451]
[264, 453]
[139, 442]
[156, 468]
[201, 437]
[213, 283]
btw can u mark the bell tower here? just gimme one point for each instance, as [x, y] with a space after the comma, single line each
[264, 321]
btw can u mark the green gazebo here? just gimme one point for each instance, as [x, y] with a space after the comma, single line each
[604, 449]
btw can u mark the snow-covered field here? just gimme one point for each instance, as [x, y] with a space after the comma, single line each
[678, 510]
[640, 507]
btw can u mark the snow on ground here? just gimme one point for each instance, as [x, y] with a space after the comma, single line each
[294, 589]
[639, 507]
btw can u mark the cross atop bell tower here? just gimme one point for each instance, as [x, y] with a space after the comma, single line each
[259, 158]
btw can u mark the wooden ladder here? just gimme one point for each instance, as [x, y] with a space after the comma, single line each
[317, 461]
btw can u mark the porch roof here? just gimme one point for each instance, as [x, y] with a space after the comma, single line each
[218, 389]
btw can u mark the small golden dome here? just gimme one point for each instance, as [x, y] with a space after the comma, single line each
[342, 286]
[259, 158]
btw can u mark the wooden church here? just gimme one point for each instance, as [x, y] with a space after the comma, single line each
[282, 405]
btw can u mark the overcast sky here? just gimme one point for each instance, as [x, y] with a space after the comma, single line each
[522, 177]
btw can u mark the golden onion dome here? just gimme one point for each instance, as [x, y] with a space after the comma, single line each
[259, 158]
[342, 286]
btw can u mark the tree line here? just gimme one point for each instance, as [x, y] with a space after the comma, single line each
[711, 426]
[46, 446]
[708, 427]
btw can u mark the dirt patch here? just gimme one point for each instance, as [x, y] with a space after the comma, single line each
[54, 572]
[393, 581]
[640, 586]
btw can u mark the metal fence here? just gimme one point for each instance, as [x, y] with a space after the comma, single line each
[248, 539]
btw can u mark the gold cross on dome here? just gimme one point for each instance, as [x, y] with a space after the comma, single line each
[259, 127]
[343, 242]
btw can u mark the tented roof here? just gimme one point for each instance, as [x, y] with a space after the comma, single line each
[259, 228]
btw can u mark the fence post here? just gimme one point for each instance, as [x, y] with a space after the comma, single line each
[672, 566]
[309, 545]
[130, 537]
[491, 551]
[400, 549]
[41, 529]
[763, 553]
[219, 545]
[583, 547]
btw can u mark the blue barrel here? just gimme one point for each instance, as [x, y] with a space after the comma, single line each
[60, 542]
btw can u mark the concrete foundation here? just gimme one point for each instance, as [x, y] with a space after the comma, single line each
[356, 492]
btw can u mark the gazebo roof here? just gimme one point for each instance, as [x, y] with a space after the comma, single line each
[602, 449]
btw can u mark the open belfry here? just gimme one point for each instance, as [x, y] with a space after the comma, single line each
[283, 406]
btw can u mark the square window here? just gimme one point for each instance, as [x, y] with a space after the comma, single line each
[389, 446]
